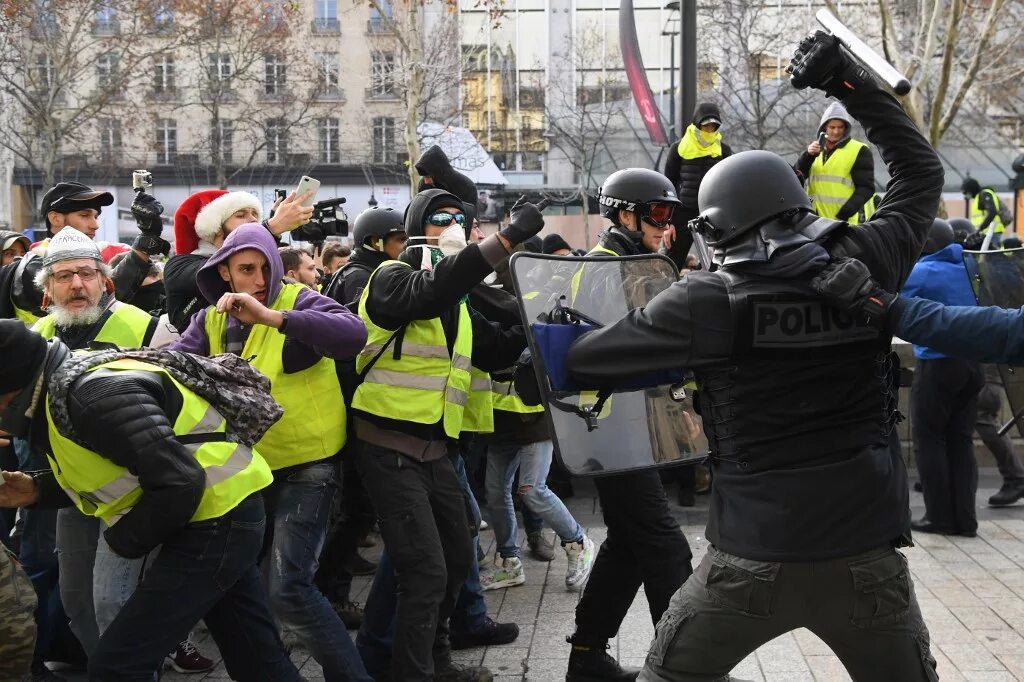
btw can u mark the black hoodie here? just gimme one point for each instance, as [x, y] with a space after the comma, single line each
[686, 174]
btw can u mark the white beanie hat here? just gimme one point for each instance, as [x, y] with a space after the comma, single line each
[69, 244]
[211, 217]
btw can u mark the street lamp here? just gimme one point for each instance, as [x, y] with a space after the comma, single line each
[672, 30]
[372, 203]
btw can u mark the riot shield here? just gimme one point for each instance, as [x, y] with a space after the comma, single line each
[632, 429]
[998, 279]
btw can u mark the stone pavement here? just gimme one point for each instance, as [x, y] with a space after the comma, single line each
[971, 592]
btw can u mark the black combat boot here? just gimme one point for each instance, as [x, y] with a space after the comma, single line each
[590, 662]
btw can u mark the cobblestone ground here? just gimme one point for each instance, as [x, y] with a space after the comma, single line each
[971, 591]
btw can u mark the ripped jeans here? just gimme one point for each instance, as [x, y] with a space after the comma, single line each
[533, 461]
[863, 607]
[298, 505]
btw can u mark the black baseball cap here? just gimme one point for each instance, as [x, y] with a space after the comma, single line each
[67, 197]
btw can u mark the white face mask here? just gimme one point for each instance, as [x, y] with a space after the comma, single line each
[452, 240]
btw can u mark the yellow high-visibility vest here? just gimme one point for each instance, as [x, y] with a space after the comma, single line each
[103, 489]
[830, 184]
[978, 215]
[126, 327]
[426, 383]
[313, 426]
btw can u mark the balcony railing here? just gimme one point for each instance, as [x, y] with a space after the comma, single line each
[379, 26]
[326, 26]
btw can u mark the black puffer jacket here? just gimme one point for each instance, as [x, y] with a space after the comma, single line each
[686, 174]
[127, 417]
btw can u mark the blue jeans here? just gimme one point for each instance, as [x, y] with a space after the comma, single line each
[38, 556]
[298, 505]
[533, 462]
[205, 571]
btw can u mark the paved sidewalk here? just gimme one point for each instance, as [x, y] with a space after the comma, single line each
[971, 591]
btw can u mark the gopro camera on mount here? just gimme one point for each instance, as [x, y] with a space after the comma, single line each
[142, 180]
[329, 220]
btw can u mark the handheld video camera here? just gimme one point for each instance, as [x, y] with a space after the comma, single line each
[142, 180]
[328, 220]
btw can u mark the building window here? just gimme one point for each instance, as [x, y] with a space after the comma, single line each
[110, 139]
[163, 17]
[45, 21]
[384, 140]
[382, 76]
[378, 19]
[163, 74]
[325, 18]
[274, 74]
[106, 19]
[222, 136]
[329, 134]
[166, 141]
[46, 72]
[106, 70]
[219, 67]
[327, 74]
[277, 141]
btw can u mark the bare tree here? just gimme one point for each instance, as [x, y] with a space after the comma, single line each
[64, 66]
[250, 79]
[585, 105]
[760, 109]
[426, 72]
[945, 48]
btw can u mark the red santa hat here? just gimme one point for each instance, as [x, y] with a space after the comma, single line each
[201, 216]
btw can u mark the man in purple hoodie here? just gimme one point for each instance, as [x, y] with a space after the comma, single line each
[293, 335]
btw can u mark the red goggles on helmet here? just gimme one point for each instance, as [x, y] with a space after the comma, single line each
[658, 213]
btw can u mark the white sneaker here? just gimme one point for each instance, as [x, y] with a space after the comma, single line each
[505, 573]
[581, 559]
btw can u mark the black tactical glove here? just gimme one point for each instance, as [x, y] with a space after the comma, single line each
[525, 220]
[847, 284]
[821, 62]
[147, 211]
[974, 241]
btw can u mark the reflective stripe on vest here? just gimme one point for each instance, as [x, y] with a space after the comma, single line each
[25, 316]
[479, 415]
[575, 283]
[314, 425]
[125, 327]
[978, 216]
[103, 489]
[830, 184]
[425, 384]
[507, 399]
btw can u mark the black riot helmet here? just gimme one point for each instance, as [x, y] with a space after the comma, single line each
[962, 229]
[648, 193]
[744, 191]
[940, 235]
[376, 222]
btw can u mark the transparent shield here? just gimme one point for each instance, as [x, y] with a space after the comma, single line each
[635, 429]
[998, 279]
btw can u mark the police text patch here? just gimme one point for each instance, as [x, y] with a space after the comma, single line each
[805, 324]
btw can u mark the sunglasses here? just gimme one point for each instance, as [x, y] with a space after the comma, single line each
[443, 219]
[658, 214]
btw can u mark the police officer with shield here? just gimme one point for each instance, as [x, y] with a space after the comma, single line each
[644, 544]
[808, 505]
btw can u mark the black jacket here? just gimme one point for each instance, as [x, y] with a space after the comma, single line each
[862, 174]
[691, 326]
[400, 295]
[127, 417]
[183, 296]
[347, 284]
[128, 276]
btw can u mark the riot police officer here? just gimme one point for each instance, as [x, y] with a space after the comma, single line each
[808, 504]
[644, 544]
[379, 235]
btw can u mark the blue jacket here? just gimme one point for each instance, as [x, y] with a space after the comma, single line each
[982, 334]
[940, 277]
